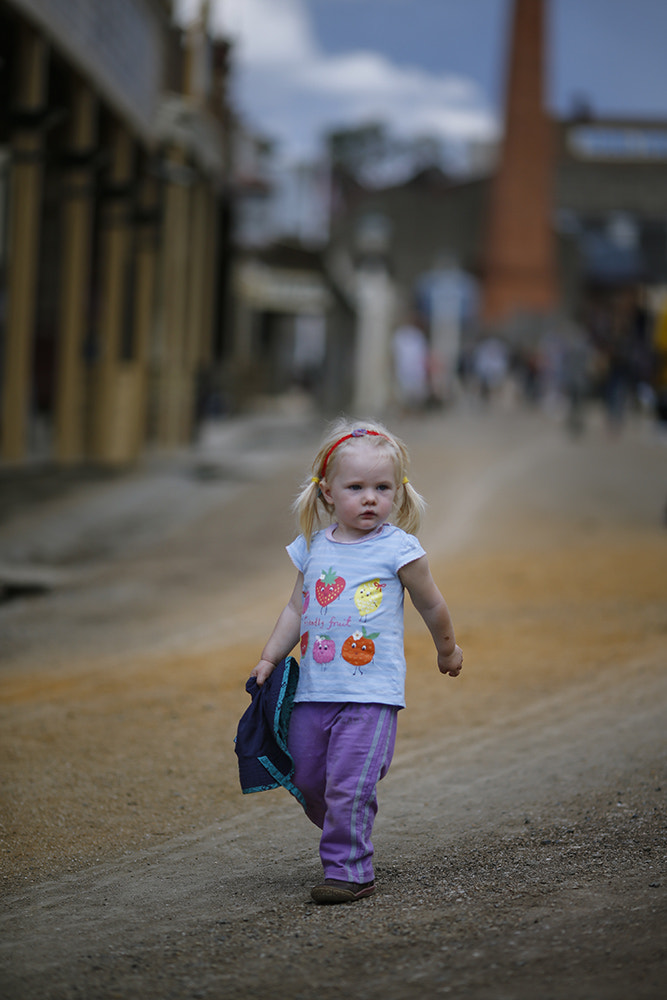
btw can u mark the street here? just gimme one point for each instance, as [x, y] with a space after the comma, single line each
[521, 839]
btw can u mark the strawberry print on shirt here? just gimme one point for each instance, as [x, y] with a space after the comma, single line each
[329, 587]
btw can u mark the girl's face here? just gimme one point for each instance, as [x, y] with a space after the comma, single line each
[361, 489]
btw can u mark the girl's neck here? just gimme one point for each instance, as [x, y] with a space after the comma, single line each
[338, 533]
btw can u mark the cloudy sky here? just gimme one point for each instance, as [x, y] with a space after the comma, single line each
[303, 67]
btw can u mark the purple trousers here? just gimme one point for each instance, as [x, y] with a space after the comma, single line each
[340, 752]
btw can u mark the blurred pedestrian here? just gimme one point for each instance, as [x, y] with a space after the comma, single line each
[491, 365]
[660, 377]
[577, 361]
[347, 607]
[612, 337]
[660, 369]
[411, 367]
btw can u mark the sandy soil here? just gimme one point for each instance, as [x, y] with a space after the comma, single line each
[521, 842]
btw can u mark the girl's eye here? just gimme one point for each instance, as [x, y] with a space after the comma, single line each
[384, 486]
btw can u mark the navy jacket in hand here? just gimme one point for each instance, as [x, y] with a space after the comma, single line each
[261, 737]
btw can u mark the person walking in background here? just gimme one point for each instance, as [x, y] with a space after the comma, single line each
[355, 556]
[411, 367]
[490, 366]
[577, 365]
[660, 370]
[660, 379]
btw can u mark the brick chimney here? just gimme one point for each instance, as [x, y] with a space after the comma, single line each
[519, 265]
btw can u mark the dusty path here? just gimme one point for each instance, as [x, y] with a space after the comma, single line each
[521, 843]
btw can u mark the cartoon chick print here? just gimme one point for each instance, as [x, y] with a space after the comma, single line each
[368, 597]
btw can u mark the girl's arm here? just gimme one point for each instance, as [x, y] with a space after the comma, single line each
[429, 602]
[285, 634]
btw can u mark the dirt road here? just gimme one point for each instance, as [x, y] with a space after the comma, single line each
[521, 842]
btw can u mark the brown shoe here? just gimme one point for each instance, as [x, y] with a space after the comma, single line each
[333, 891]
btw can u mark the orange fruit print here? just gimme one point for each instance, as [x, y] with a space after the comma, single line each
[359, 648]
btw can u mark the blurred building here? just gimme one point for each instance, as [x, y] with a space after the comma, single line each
[608, 222]
[571, 215]
[609, 202]
[294, 328]
[293, 320]
[115, 220]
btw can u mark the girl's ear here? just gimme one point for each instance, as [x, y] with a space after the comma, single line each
[325, 491]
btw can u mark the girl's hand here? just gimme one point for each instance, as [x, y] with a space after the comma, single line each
[263, 670]
[451, 664]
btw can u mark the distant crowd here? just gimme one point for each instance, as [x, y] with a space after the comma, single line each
[615, 354]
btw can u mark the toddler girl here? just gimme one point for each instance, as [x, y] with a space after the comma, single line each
[347, 609]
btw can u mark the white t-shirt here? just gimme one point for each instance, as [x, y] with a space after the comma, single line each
[352, 617]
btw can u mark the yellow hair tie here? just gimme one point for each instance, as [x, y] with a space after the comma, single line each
[315, 479]
[405, 480]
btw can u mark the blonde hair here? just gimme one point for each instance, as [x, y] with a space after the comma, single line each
[313, 510]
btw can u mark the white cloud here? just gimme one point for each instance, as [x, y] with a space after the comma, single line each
[267, 32]
[289, 89]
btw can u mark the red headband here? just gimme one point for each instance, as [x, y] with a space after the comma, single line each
[360, 432]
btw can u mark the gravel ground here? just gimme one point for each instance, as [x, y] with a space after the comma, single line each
[521, 841]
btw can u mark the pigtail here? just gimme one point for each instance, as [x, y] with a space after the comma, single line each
[409, 509]
[410, 505]
[310, 507]
[307, 507]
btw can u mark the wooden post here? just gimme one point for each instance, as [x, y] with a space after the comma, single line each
[25, 201]
[211, 275]
[115, 250]
[197, 277]
[144, 305]
[76, 271]
[172, 383]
